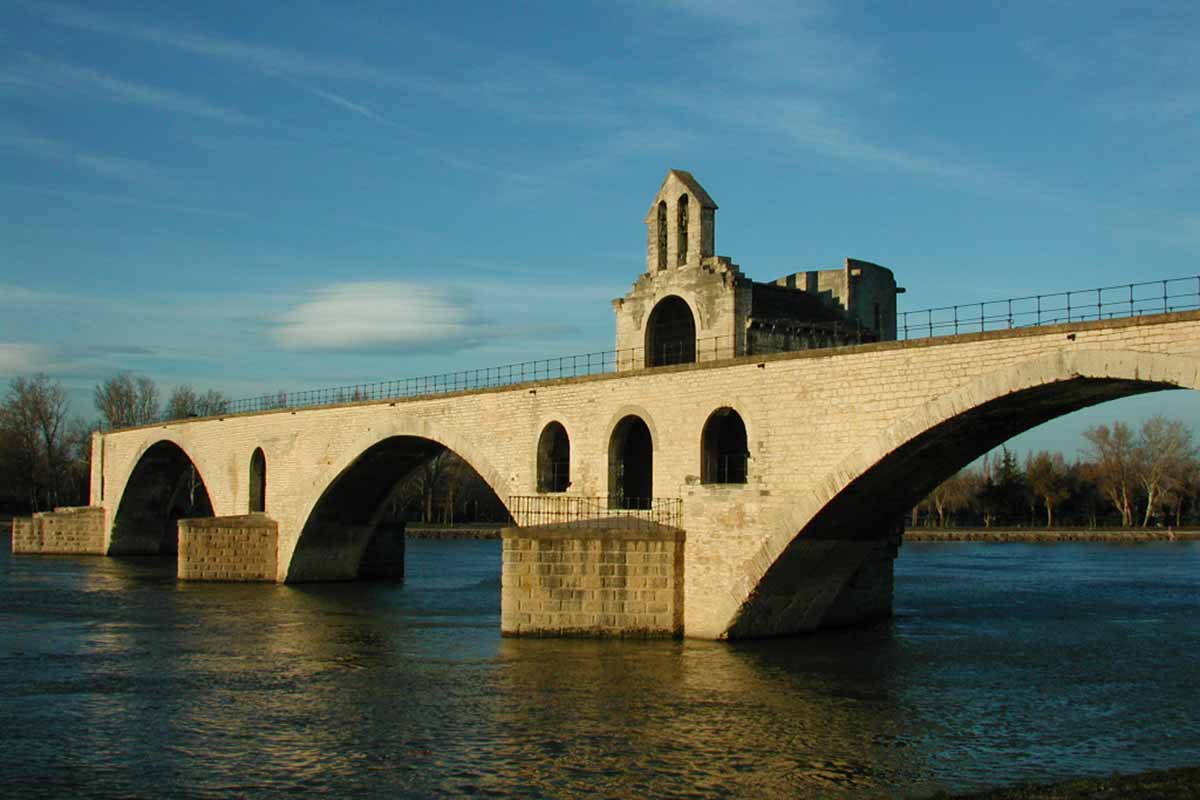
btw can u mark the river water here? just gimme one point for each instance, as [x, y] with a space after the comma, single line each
[1004, 663]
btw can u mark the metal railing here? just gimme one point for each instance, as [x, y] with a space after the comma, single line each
[1109, 302]
[598, 512]
[1082, 305]
[729, 468]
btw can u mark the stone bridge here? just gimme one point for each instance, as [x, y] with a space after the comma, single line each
[781, 424]
[841, 442]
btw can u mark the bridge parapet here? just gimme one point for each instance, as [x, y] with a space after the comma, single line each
[598, 512]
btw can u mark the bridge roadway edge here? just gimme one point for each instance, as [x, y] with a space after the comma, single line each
[813, 418]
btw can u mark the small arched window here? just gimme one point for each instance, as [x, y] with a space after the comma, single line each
[662, 234]
[723, 443]
[258, 481]
[630, 464]
[553, 459]
[682, 239]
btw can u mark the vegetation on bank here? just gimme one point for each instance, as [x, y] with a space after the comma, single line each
[45, 456]
[1172, 784]
[1123, 478]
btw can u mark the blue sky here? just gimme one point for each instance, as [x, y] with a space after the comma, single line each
[263, 196]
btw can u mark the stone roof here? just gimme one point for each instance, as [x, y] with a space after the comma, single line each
[690, 183]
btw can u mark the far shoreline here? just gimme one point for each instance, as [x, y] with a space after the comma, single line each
[1052, 535]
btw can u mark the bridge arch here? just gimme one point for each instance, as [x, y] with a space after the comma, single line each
[163, 487]
[340, 528]
[819, 545]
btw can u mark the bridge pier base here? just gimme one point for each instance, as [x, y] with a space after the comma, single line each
[67, 530]
[823, 580]
[237, 548]
[624, 579]
[384, 556]
[867, 596]
[338, 551]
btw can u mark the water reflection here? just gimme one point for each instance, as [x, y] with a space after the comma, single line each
[1002, 664]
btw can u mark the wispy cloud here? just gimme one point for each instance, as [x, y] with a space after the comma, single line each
[50, 76]
[113, 167]
[17, 358]
[267, 58]
[349, 105]
[294, 66]
[372, 316]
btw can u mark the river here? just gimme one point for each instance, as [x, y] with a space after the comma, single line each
[1004, 663]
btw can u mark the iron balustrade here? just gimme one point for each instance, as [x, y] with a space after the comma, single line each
[1081, 305]
[729, 468]
[557, 477]
[1109, 302]
[597, 512]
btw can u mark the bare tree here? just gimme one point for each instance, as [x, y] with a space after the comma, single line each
[33, 429]
[1161, 458]
[1047, 477]
[185, 402]
[1112, 451]
[126, 400]
[952, 495]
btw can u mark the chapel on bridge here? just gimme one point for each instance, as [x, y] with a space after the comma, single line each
[693, 305]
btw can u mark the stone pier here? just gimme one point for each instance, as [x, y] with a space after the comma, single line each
[236, 548]
[67, 530]
[578, 579]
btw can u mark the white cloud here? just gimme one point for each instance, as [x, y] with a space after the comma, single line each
[372, 316]
[17, 358]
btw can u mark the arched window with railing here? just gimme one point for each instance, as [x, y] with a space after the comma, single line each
[671, 333]
[553, 459]
[631, 464]
[724, 454]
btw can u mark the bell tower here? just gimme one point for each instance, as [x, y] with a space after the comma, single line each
[680, 224]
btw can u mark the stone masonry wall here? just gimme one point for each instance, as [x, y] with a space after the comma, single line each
[238, 548]
[571, 581]
[24, 536]
[67, 530]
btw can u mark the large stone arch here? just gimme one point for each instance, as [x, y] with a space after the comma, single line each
[164, 485]
[338, 522]
[818, 545]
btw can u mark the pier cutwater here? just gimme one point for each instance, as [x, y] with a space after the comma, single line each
[739, 466]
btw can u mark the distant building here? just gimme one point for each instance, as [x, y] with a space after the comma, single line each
[693, 305]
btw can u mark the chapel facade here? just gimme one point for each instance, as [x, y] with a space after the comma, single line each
[693, 305]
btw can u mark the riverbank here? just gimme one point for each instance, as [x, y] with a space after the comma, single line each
[478, 530]
[1171, 784]
[1109, 535]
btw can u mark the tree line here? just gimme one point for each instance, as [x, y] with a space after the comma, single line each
[45, 456]
[1125, 478]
